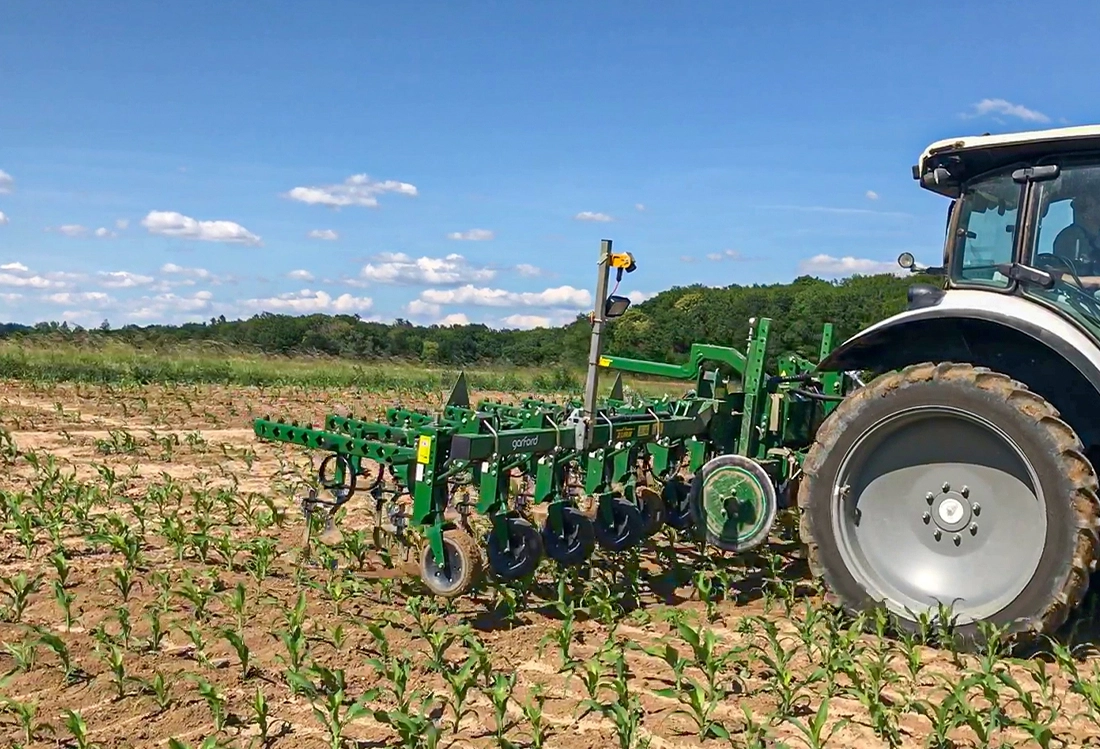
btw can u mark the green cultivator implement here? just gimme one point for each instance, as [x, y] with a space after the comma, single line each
[719, 459]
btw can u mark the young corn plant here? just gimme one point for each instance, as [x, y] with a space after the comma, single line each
[74, 721]
[159, 689]
[215, 700]
[18, 588]
[26, 713]
[72, 672]
[416, 728]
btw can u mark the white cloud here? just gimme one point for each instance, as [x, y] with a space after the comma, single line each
[122, 224]
[32, 282]
[530, 271]
[103, 233]
[7, 182]
[562, 296]
[163, 306]
[18, 274]
[10, 298]
[724, 255]
[639, 207]
[526, 322]
[456, 318]
[63, 276]
[68, 298]
[3, 218]
[473, 235]
[73, 230]
[637, 297]
[326, 234]
[122, 279]
[172, 224]
[300, 275]
[308, 301]
[1008, 109]
[358, 189]
[827, 265]
[871, 195]
[418, 308]
[399, 268]
[591, 216]
[201, 274]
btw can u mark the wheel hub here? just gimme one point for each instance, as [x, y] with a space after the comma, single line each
[951, 511]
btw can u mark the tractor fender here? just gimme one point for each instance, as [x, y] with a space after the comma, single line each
[1019, 337]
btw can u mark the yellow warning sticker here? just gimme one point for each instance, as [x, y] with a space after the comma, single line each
[605, 362]
[423, 449]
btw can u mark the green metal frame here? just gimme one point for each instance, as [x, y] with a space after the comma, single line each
[765, 417]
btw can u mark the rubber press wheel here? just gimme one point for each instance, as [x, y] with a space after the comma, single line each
[625, 528]
[520, 555]
[575, 542]
[956, 485]
[461, 568]
[677, 511]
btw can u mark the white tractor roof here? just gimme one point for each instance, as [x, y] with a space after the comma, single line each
[970, 155]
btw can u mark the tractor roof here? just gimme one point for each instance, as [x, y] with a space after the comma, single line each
[969, 156]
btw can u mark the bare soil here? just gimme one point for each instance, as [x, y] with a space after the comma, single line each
[164, 509]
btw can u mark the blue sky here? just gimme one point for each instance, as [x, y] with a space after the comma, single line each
[446, 162]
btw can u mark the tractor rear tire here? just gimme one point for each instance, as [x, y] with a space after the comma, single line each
[951, 485]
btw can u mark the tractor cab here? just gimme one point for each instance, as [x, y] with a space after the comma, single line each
[1024, 218]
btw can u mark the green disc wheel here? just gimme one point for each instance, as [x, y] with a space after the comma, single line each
[733, 503]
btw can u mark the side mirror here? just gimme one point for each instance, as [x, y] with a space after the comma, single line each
[615, 306]
[907, 261]
[938, 177]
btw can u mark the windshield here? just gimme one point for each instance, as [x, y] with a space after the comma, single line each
[1067, 241]
[986, 230]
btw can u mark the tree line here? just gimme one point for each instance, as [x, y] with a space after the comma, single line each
[661, 328]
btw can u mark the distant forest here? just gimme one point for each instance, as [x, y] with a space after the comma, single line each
[661, 328]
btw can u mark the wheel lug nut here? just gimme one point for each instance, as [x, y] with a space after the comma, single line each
[926, 517]
[958, 539]
[965, 491]
[973, 528]
[946, 486]
[930, 497]
[977, 508]
[936, 534]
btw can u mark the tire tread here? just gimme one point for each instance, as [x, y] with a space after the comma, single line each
[1079, 470]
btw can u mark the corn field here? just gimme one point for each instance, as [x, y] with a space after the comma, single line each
[155, 592]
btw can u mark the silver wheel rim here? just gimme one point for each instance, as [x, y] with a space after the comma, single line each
[936, 506]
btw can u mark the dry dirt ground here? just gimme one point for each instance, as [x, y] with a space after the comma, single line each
[153, 592]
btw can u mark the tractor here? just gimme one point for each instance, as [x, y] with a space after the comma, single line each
[944, 457]
[963, 473]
